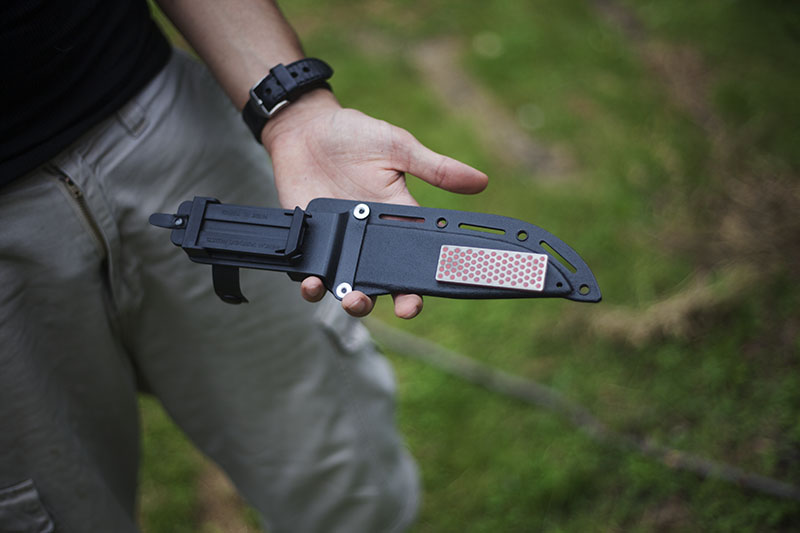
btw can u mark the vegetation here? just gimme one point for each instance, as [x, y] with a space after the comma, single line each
[660, 140]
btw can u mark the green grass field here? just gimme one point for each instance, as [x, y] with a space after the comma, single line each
[664, 146]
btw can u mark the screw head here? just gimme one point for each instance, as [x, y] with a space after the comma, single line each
[342, 289]
[361, 211]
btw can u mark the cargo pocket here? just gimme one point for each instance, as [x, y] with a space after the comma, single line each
[22, 512]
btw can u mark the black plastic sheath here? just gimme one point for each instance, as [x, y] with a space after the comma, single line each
[395, 249]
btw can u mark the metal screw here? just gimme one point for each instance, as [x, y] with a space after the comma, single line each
[178, 222]
[361, 211]
[342, 289]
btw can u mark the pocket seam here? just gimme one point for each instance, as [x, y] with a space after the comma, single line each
[36, 512]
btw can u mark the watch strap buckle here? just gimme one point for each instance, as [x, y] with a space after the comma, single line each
[280, 87]
[259, 108]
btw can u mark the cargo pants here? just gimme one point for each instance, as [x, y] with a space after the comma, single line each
[290, 398]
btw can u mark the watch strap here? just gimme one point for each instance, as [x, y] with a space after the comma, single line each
[283, 84]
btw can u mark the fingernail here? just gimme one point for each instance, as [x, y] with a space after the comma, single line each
[412, 311]
[359, 307]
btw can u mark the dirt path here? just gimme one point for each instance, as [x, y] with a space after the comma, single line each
[750, 228]
[680, 69]
[438, 61]
[497, 128]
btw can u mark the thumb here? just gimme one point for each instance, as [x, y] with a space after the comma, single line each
[437, 169]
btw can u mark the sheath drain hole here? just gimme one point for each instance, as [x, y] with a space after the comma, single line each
[558, 256]
[441, 223]
[485, 229]
[584, 289]
[559, 284]
[401, 218]
[522, 235]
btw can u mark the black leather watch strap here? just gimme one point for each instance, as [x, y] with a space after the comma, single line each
[281, 86]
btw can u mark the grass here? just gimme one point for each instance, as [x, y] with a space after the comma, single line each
[643, 204]
[169, 471]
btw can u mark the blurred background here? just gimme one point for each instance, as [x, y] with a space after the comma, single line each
[661, 140]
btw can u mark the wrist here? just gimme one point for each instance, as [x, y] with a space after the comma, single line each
[282, 86]
[306, 107]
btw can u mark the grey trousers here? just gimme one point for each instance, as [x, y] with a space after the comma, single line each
[291, 399]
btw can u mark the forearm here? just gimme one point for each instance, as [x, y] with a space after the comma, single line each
[317, 148]
[239, 40]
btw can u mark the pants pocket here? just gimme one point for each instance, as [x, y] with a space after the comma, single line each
[21, 511]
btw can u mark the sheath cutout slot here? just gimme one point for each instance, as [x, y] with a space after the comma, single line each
[550, 250]
[484, 229]
[401, 218]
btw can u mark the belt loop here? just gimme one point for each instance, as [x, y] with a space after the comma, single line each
[133, 118]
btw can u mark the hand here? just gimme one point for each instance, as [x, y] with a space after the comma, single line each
[319, 149]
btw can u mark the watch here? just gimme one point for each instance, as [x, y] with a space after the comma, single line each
[281, 86]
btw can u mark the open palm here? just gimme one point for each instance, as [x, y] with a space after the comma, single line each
[322, 150]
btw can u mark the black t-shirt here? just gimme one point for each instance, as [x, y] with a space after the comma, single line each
[66, 65]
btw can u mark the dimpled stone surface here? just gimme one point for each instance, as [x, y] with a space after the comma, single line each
[485, 267]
